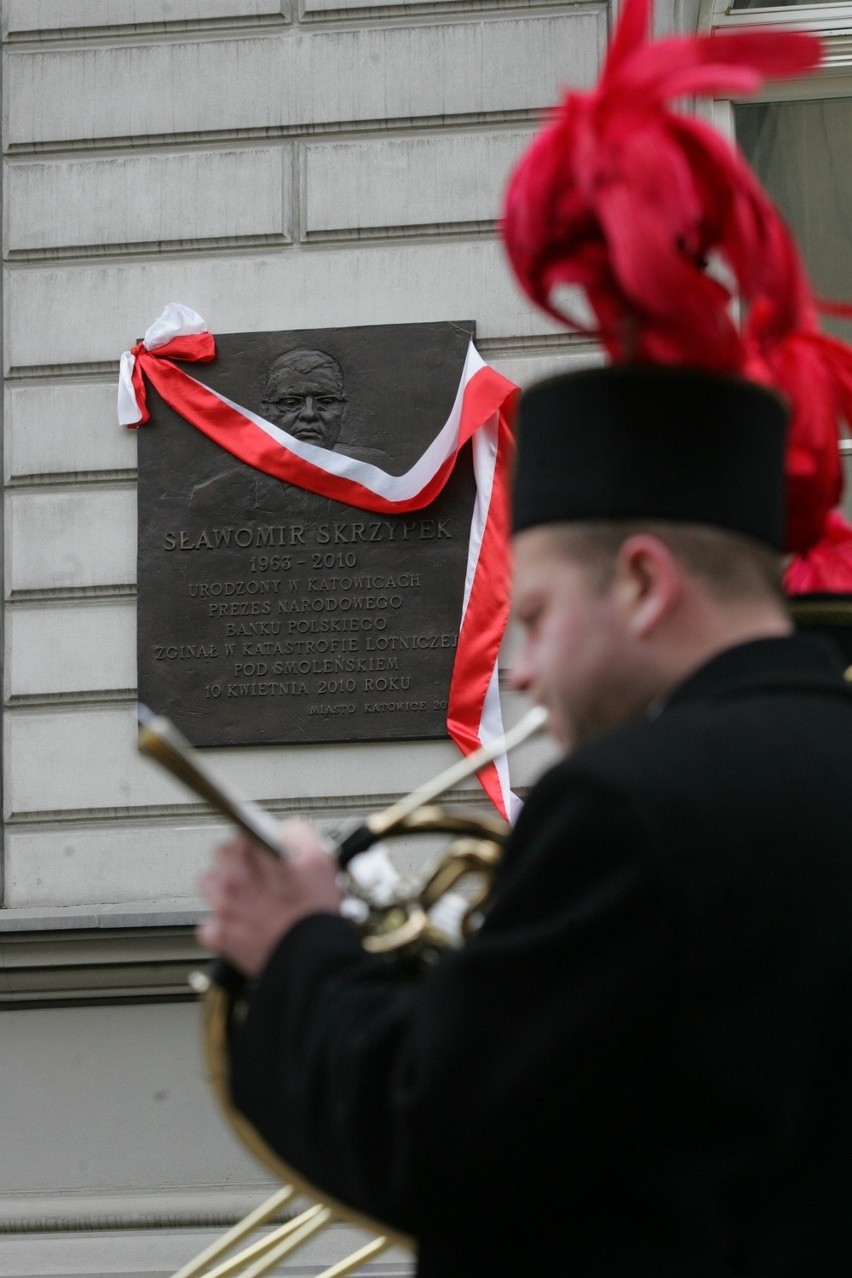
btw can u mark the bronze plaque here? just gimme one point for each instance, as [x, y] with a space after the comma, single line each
[268, 614]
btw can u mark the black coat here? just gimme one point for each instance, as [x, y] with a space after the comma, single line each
[643, 1063]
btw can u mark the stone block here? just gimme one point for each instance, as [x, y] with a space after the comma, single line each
[375, 283]
[70, 539]
[23, 17]
[300, 79]
[524, 370]
[70, 647]
[65, 427]
[81, 865]
[87, 1080]
[155, 200]
[109, 775]
[441, 180]
[146, 1252]
[85, 759]
[320, 8]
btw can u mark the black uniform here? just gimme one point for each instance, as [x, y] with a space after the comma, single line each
[643, 1063]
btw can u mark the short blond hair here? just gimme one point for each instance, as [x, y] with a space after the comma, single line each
[730, 566]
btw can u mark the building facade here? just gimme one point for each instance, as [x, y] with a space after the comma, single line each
[273, 164]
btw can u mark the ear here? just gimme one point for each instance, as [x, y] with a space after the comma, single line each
[647, 584]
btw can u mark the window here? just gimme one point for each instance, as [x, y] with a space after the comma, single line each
[797, 136]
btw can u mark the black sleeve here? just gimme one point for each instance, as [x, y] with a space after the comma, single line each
[404, 1100]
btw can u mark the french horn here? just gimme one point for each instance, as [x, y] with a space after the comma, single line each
[408, 918]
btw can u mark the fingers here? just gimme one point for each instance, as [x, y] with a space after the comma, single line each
[236, 866]
[211, 935]
[300, 838]
[255, 898]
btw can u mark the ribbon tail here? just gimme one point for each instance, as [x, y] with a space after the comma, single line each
[474, 715]
[132, 399]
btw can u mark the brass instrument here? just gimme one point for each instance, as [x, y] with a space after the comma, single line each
[412, 920]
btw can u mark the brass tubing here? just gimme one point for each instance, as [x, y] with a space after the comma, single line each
[320, 1217]
[261, 1251]
[217, 1009]
[266, 1211]
[382, 823]
[351, 1263]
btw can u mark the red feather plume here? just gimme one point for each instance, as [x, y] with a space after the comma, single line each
[826, 568]
[626, 199]
[619, 206]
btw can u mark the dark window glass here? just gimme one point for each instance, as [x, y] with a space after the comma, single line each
[800, 151]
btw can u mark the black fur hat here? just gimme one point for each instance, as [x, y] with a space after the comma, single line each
[643, 441]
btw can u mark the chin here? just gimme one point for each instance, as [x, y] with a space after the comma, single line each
[562, 735]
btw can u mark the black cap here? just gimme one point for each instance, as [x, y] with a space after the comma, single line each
[645, 441]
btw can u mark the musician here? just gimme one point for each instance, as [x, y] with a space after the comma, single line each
[641, 1064]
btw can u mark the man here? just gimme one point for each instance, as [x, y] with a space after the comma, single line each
[304, 395]
[639, 1068]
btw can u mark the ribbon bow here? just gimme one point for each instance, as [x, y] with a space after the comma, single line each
[179, 333]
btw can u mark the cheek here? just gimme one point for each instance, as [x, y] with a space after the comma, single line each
[575, 651]
[566, 637]
[555, 656]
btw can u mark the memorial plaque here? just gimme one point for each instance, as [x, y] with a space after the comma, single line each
[269, 614]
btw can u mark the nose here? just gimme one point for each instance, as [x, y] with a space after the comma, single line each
[518, 674]
[309, 412]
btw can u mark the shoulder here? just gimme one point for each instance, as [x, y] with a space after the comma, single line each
[736, 793]
[581, 834]
[610, 779]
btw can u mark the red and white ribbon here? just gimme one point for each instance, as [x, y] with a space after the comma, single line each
[179, 333]
[480, 413]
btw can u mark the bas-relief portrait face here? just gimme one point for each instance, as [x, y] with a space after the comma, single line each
[304, 395]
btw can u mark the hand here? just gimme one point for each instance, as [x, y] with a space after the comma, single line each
[256, 899]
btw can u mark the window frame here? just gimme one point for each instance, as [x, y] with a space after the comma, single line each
[832, 22]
